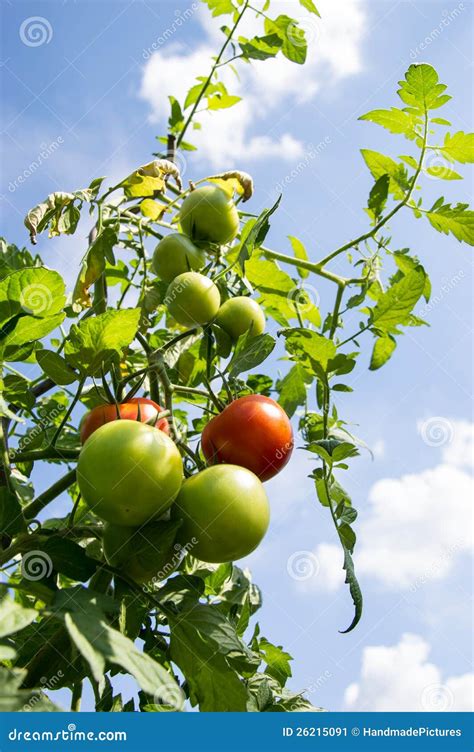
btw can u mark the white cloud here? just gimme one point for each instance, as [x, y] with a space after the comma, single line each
[460, 450]
[269, 89]
[400, 678]
[415, 527]
[412, 531]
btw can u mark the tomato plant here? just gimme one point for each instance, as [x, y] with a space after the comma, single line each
[148, 536]
[136, 408]
[254, 432]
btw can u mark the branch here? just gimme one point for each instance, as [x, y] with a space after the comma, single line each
[41, 501]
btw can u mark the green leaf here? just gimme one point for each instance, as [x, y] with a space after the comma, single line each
[378, 196]
[310, 349]
[219, 7]
[380, 164]
[394, 120]
[260, 48]
[250, 352]
[292, 389]
[14, 699]
[443, 173]
[457, 220]
[309, 5]
[459, 147]
[300, 253]
[93, 265]
[14, 617]
[96, 340]
[354, 589]
[256, 233]
[222, 101]
[99, 644]
[294, 45]
[383, 350]
[55, 367]
[13, 258]
[395, 305]
[278, 661]
[421, 89]
[69, 558]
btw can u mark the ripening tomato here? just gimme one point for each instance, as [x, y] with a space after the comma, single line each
[208, 213]
[254, 432]
[239, 315]
[224, 512]
[192, 299]
[129, 473]
[129, 410]
[176, 254]
[144, 554]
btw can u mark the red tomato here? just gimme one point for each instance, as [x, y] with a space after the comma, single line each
[253, 432]
[128, 411]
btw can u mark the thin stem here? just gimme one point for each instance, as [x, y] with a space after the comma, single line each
[68, 413]
[335, 313]
[50, 453]
[211, 74]
[76, 697]
[302, 264]
[41, 501]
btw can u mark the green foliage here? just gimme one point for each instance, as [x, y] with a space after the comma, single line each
[198, 620]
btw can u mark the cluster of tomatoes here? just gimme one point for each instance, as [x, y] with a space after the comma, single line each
[130, 471]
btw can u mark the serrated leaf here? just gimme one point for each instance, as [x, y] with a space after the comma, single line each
[383, 351]
[395, 305]
[93, 343]
[260, 48]
[459, 147]
[219, 7]
[310, 349]
[309, 5]
[292, 389]
[380, 164]
[457, 220]
[256, 233]
[393, 120]
[421, 89]
[294, 45]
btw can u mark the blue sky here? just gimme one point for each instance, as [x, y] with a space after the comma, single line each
[93, 95]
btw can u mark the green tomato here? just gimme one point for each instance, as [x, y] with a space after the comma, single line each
[128, 472]
[225, 513]
[176, 254]
[144, 554]
[192, 299]
[208, 213]
[239, 315]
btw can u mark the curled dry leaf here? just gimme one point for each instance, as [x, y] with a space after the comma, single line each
[235, 180]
